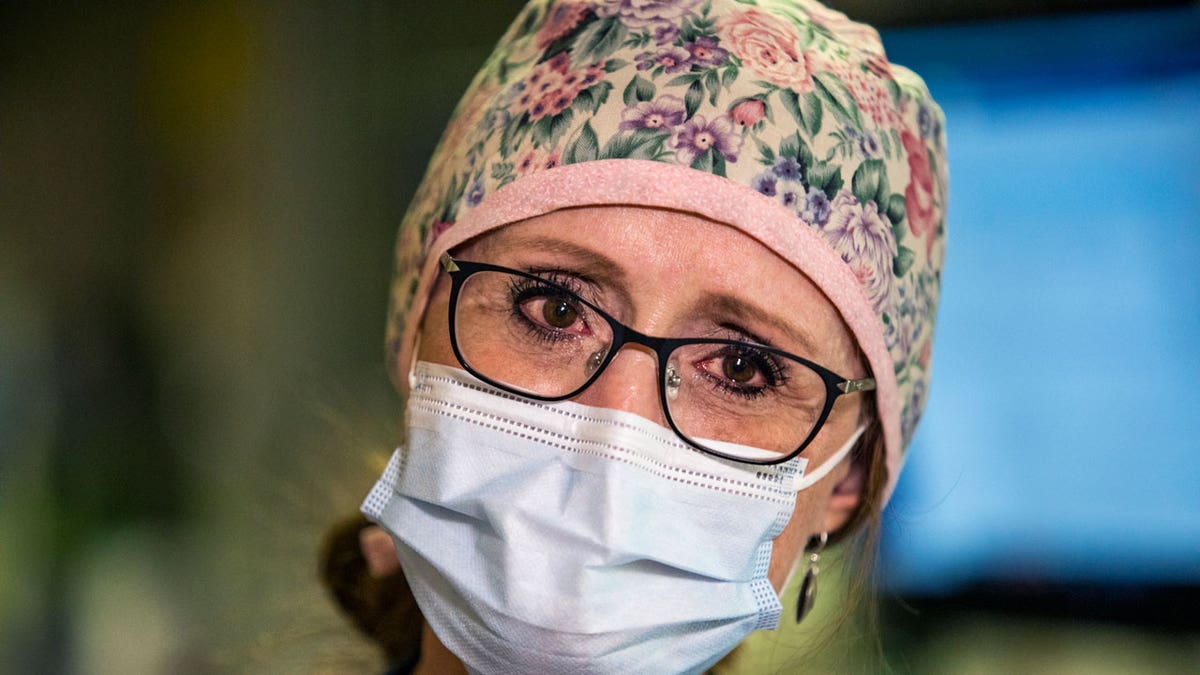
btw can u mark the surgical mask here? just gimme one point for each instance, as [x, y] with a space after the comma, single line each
[561, 538]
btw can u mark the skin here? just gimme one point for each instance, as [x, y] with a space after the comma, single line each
[666, 265]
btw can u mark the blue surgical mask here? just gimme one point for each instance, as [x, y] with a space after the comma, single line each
[561, 538]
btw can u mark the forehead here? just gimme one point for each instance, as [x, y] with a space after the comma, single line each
[668, 261]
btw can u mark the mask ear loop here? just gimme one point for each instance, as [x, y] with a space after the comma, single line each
[412, 364]
[807, 480]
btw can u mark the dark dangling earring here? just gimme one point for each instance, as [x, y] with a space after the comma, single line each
[808, 589]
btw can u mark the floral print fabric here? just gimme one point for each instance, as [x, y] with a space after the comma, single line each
[789, 98]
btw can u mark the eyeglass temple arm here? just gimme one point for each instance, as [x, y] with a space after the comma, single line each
[448, 263]
[851, 386]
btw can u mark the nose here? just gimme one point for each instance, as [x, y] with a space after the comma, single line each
[629, 383]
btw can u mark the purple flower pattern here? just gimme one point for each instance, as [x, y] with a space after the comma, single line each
[789, 198]
[475, 194]
[868, 144]
[665, 34]
[673, 59]
[816, 207]
[787, 168]
[698, 136]
[646, 13]
[765, 183]
[705, 52]
[864, 239]
[665, 112]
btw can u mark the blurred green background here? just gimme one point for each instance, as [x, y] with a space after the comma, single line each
[197, 205]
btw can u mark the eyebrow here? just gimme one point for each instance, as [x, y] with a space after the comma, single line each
[591, 265]
[601, 269]
[590, 258]
[740, 309]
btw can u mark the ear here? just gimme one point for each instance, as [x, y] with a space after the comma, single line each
[379, 551]
[846, 498]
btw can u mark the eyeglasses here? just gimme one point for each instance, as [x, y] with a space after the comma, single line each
[534, 336]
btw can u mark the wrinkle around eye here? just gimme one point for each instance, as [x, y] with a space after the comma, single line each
[605, 278]
[743, 317]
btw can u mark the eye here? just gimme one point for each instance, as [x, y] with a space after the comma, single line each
[552, 312]
[738, 369]
[559, 313]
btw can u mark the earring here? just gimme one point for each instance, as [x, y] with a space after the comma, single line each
[808, 589]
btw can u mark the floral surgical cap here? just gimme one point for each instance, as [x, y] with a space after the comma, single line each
[782, 119]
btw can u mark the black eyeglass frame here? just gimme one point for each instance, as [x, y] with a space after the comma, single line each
[835, 385]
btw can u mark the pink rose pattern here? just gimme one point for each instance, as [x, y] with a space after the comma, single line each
[787, 97]
[553, 86]
[749, 112]
[769, 47]
[918, 196]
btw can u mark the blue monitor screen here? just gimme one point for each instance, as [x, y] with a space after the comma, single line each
[1061, 443]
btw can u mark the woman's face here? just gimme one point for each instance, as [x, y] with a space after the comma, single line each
[673, 274]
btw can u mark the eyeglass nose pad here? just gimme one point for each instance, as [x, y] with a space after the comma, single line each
[594, 361]
[673, 381]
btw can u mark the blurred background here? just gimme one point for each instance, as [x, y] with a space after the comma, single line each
[197, 204]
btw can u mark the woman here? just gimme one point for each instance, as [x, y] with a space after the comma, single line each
[663, 317]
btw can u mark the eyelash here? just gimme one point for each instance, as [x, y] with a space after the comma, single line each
[774, 371]
[524, 288]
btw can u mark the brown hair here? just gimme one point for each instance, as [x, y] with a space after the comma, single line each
[383, 608]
